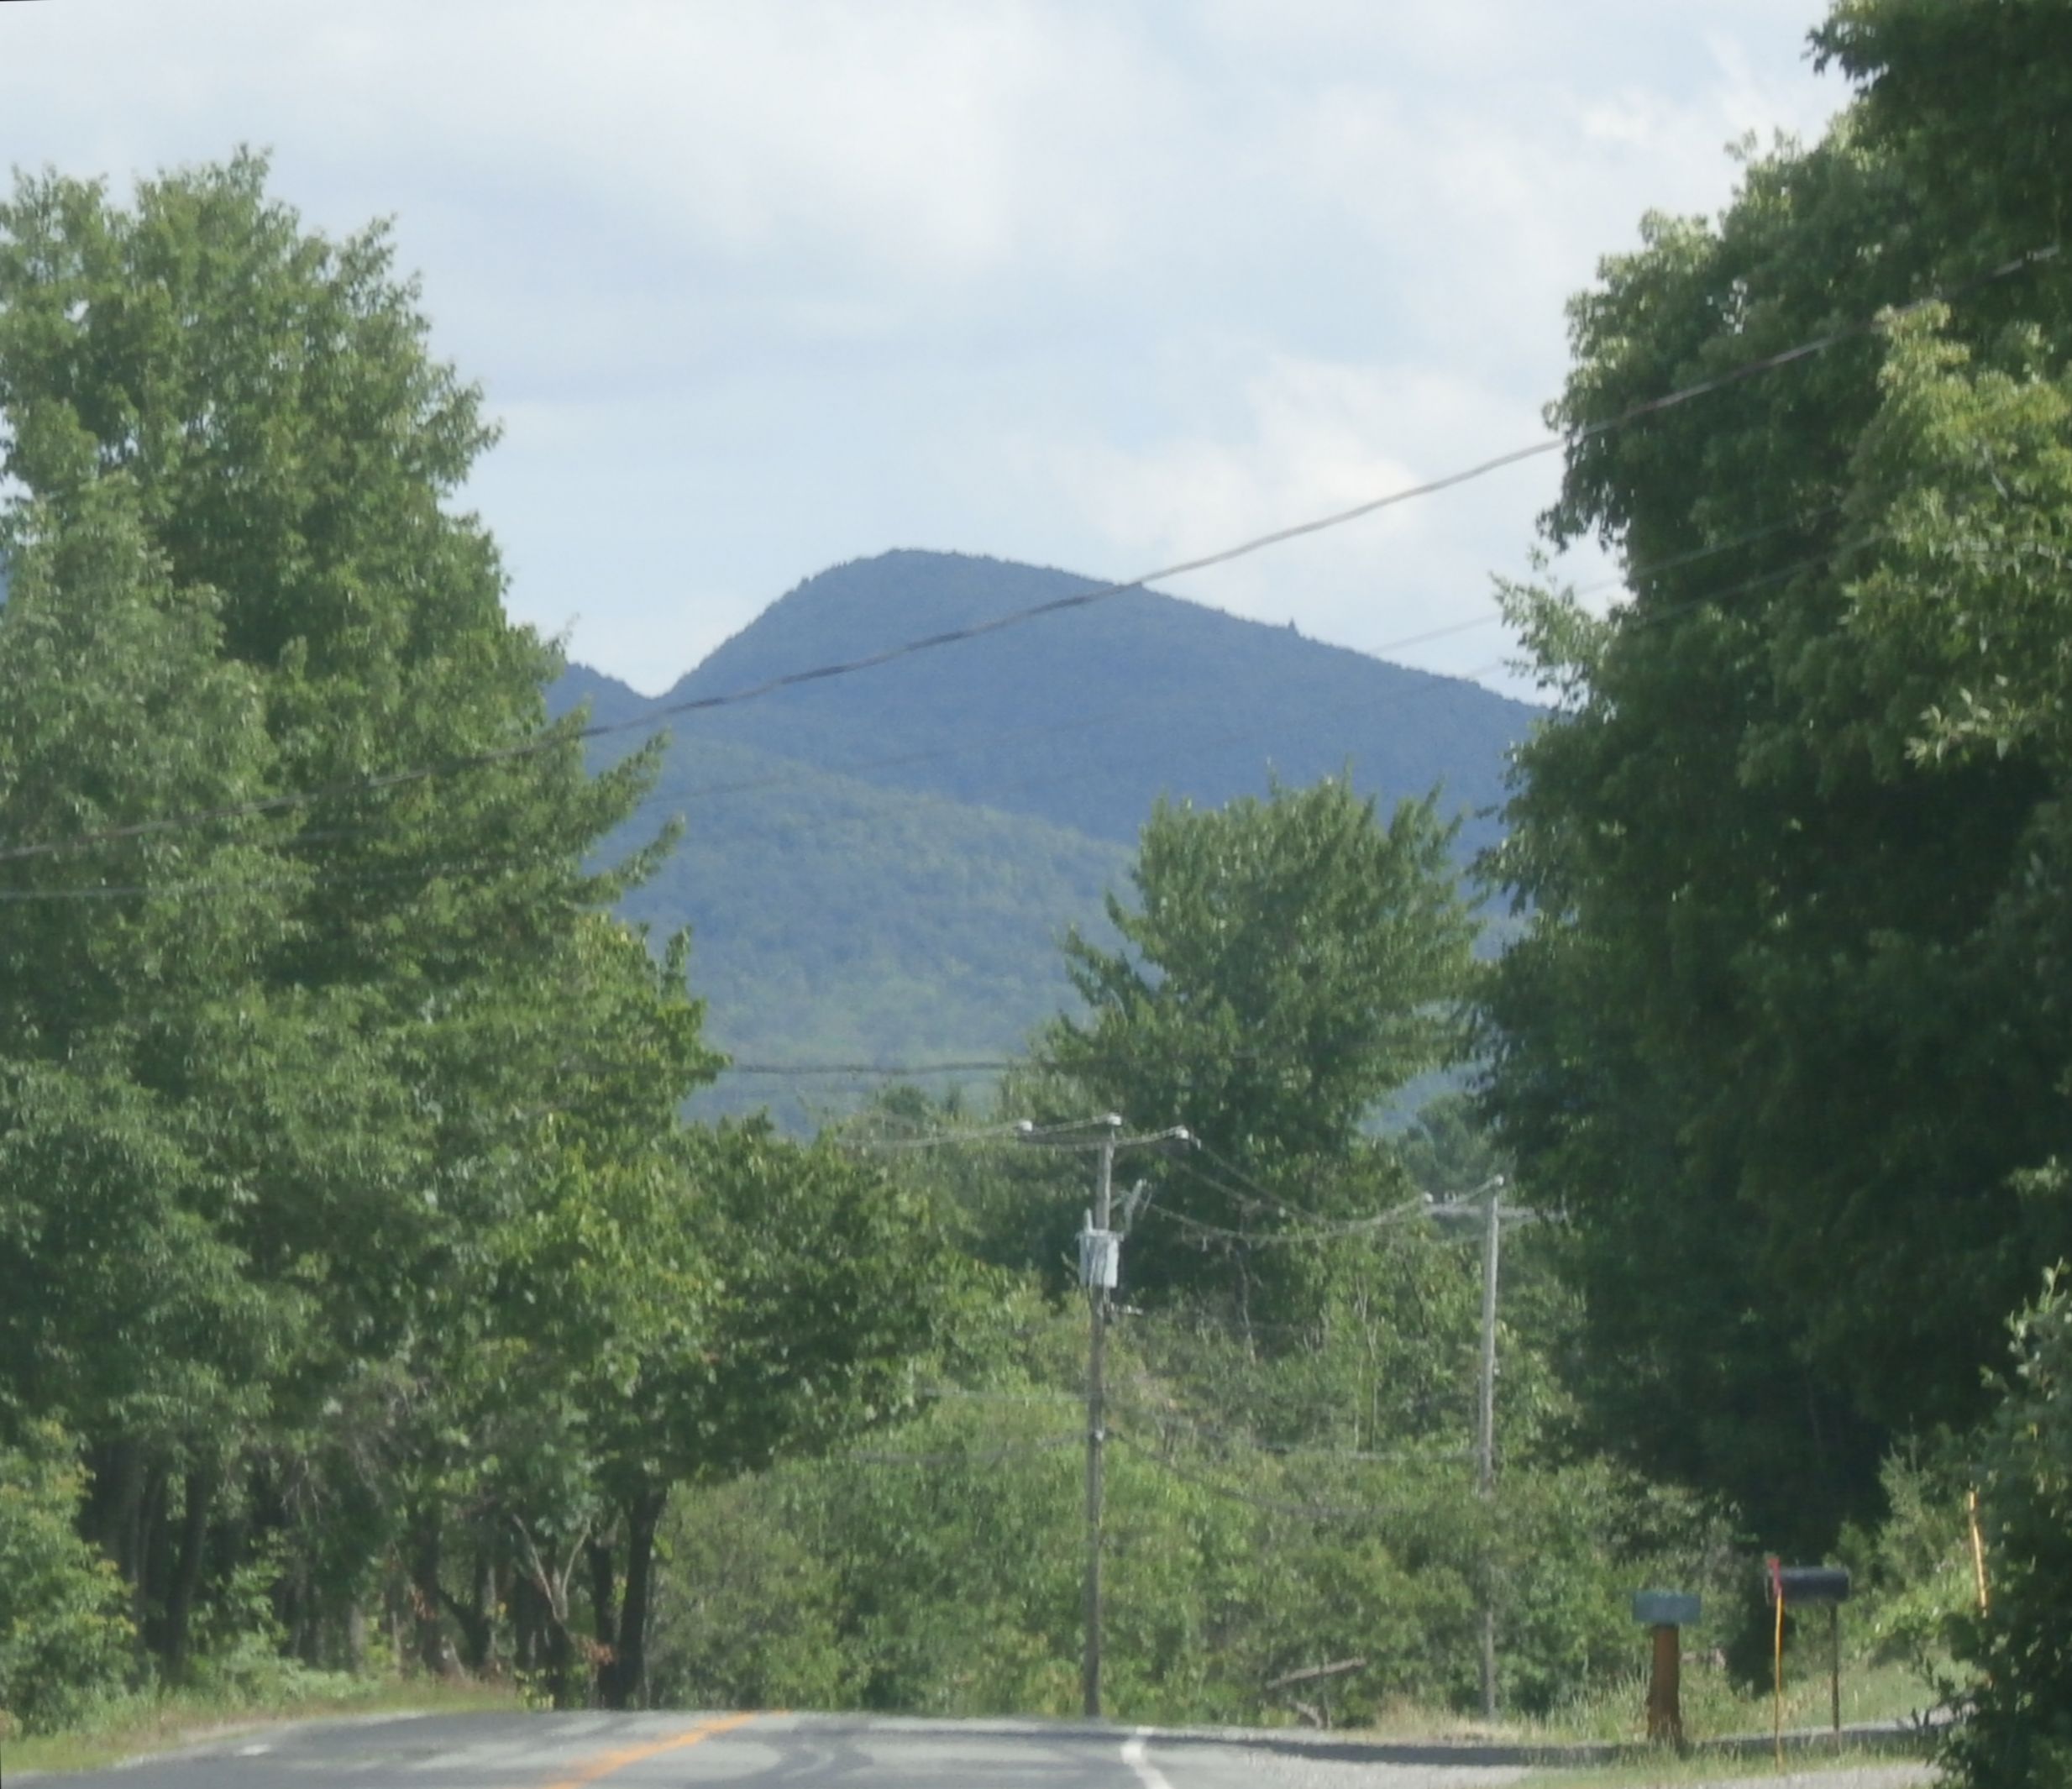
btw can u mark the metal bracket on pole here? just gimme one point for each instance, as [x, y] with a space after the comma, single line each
[1100, 1257]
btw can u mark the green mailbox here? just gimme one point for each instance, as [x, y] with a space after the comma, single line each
[1665, 1612]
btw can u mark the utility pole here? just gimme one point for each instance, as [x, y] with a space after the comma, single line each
[1494, 1215]
[1100, 1263]
[1098, 1275]
[1485, 1431]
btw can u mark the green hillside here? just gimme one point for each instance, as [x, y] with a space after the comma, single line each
[834, 922]
[877, 868]
[1084, 718]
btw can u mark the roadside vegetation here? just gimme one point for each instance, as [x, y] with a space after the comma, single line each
[369, 1307]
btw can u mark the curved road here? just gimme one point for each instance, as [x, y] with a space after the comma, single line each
[683, 1751]
[781, 1751]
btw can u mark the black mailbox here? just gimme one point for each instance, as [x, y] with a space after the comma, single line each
[1803, 1584]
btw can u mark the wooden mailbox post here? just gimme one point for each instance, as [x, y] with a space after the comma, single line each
[1794, 1586]
[1666, 1612]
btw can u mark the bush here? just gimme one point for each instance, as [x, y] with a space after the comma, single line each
[745, 1614]
[63, 1637]
[1913, 1572]
[2018, 1731]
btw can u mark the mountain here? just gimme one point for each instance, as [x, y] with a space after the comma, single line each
[836, 921]
[877, 867]
[1085, 716]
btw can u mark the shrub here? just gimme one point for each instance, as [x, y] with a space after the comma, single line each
[2018, 1732]
[63, 1637]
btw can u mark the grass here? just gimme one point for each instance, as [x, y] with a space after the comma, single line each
[1669, 1771]
[132, 1726]
[1715, 1708]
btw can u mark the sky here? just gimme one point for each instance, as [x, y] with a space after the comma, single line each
[755, 289]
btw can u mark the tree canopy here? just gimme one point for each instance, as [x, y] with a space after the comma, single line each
[1288, 963]
[348, 1220]
[1783, 1041]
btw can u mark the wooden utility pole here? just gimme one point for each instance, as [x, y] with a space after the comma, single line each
[1100, 1260]
[1486, 1435]
[1097, 1288]
[1487, 1203]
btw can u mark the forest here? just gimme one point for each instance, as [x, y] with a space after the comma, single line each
[369, 1307]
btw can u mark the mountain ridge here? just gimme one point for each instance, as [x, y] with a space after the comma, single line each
[1009, 719]
[878, 866]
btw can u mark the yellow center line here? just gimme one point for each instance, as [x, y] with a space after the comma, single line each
[611, 1763]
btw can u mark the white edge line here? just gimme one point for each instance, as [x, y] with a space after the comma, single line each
[1147, 1773]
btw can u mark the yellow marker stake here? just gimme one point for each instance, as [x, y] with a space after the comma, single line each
[1978, 1551]
[1777, 1704]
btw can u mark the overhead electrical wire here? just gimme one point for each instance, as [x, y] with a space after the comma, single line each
[1274, 1506]
[1140, 713]
[965, 1456]
[1273, 1201]
[556, 739]
[438, 869]
[1014, 1131]
[1170, 1421]
[1308, 1236]
[1630, 620]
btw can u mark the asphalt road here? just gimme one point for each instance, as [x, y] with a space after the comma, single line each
[781, 1751]
[682, 1752]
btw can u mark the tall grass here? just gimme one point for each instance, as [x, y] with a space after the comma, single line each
[131, 1725]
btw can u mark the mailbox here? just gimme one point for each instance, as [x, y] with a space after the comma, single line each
[1804, 1587]
[1802, 1584]
[1666, 1609]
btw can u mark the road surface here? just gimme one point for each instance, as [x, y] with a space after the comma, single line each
[780, 1751]
[685, 1751]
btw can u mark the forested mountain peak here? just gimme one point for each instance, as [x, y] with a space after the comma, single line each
[1085, 716]
[882, 865]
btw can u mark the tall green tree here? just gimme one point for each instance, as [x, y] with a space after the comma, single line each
[787, 1294]
[1775, 1040]
[130, 1311]
[1288, 963]
[301, 964]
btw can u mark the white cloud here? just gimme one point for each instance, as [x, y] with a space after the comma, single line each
[1317, 438]
[760, 287]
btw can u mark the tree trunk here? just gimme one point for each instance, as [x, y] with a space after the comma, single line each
[625, 1678]
[561, 1666]
[528, 1612]
[424, 1563]
[114, 1509]
[604, 1594]
[477, 1615]
[153, 1546]
[187, 1577]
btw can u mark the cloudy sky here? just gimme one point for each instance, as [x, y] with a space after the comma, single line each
[760, 286]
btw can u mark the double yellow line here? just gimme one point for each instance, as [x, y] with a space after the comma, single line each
[611, 1763]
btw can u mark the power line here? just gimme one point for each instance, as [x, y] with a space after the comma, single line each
[1108, 715]
[1272, 1201]
[436, 869]
[1269, 1239]
[1018, 1130]
[892, 1070]
[557, 739]
[960, 1395]
[1168, 1420]
[965, 1456]
[1272, 1506]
